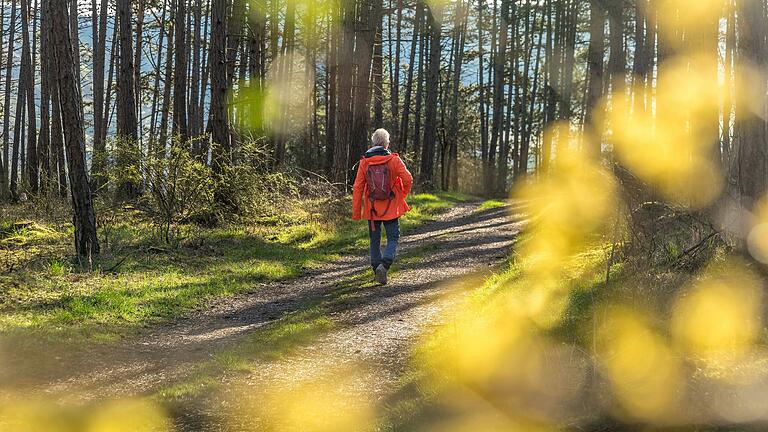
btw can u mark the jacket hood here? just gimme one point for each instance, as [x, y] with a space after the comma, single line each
[377, 151]
[379, 159]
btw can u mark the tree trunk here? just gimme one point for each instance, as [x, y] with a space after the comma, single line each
[550, 103]
[730, 42]
[84, 219]
[332, 79]
[522, 168]
[195, 128]
[595, 66]
[98, 168]
[752, 159]
[617, 61]
[153, 142]
[126, 99]
[18, 126]
[344, 86]
[499, 64]
[57, 134]
[434, 22]
[406, 117]
[204, 84]
[482, 92]
[394, 85]
[32, 167]
[453, 124]
[378, 81]
[7, 100]
[180, 126]
[364, 48]
[137, 66]
[220, 135]
[167, 86]
[423, 46]
[46, 77]
[108, 110]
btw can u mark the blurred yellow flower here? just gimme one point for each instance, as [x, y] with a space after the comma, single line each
[645, 374]
[719, 319]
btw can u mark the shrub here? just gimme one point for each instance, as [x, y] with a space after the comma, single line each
[248, 188]
[179, 189]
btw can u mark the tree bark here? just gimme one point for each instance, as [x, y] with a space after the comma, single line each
[220, 135]
[137, 66]
[180, 126]
[127, 132]
[752, 159]
[730, 42]
[482, 90]
[98, 168]
[499, 64]
[344, 86]
[617, 62]
[434, 22]
[332, 79]
[84, 219]
[406, 116]
[167, 87]
[377, 74]
[364, 48]
[32, 166]
[453, 124]
[394, 85]
[195, 128]
[595, 66]
[46, 77]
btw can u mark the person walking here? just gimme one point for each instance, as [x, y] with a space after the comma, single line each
[378, 195]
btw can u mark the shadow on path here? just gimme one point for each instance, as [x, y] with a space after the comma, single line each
[461, 242]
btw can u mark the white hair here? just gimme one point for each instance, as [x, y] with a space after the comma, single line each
[380, 137]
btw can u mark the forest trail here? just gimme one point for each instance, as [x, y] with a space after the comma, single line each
[376, 325]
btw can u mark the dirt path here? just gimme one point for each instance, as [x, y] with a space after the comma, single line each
[376, 326]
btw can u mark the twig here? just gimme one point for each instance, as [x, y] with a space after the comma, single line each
[613, 245]
[119, 263]
[693, 248]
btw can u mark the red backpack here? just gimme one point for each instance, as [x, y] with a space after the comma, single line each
[379, 186]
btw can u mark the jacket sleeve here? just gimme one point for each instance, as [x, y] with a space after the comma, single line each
[357, 193]
[405, 175]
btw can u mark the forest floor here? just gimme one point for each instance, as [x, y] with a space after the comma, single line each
[331, 316]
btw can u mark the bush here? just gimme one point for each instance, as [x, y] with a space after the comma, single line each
[180, 189]
[247, 188]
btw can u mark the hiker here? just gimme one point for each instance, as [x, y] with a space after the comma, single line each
[381, 185]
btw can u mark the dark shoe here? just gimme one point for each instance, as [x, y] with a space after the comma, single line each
[380, 275]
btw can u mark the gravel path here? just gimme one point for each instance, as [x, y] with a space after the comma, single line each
[376, 327]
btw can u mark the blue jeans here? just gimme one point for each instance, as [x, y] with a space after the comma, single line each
[392, 227]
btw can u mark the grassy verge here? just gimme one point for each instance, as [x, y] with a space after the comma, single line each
[144, 282]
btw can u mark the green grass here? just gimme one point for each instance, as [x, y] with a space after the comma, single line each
[145, 282]
[491, 204]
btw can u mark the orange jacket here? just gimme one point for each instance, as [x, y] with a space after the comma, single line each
[402, 180]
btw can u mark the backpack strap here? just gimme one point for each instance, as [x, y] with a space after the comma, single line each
[373, 207]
